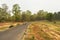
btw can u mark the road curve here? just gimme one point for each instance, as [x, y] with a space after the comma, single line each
[15, 33]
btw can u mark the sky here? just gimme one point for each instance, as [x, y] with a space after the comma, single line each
[34, 5]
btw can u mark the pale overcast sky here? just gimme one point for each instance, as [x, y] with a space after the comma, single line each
[34, 5]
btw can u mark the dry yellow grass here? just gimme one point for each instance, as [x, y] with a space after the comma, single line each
[43, 30]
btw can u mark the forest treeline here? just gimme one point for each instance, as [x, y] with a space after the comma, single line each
[17, 15]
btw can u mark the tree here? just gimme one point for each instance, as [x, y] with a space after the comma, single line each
[23, 16]
[1, 15]
[55, 16]
[9, 16]
[28, 15]
[41, 15]
[49, 16]
[58, 15]
[5, 7]
[16, 12]
[33, 17]
[4, 13]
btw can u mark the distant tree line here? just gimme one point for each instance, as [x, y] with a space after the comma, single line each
[17, 15]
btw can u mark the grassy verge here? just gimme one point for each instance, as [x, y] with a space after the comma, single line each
[44, 30]
[5, 26]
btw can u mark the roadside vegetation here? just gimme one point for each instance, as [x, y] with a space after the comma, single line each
[17, 15]
[5, 26]
[43, 30]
